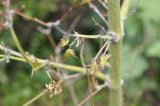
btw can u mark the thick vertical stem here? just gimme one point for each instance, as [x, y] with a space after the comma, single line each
[115, 95]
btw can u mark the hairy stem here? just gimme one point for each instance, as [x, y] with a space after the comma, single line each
[115, 95]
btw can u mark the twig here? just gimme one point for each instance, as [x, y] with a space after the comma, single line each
[63, 66]
[73, 95]
[101, 50]
[94, 93]
[90, 88]
[9, 22]
[88, 78]
[65, 74]
[12, 52]
[124, 13]
[43, 93]
[74, 76]
[36, 97]
[103, 4]
[55, 25]
[124, 9]
[47, 32]
[107, 47]
[92, 6]
[32, 19]
[49, 76]
[82, 35]
[14, 58]
[18, 44]
[96, 23]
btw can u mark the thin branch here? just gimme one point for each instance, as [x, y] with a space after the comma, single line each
[18, 44]
[73, 95]
[88, 78]
[103, 4]
[67, 67]
[65, 74]
[47, 32]
[96, 23]
[124, 9]
[55, 25]
[31, 18]
[9, 22]
[124, 13]
[107, 47]
[14, 58]
[90, 89]
[49, 76]
[43, 93]
[92, 6]
[36, 97]
[101, 50]
[82, 35]
[94, 93]
[12, 52]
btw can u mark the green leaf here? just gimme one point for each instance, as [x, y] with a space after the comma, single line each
[149, 10]
[69, 52]
[133, 64]
[154, 50]
[35, 65]
[64, 42]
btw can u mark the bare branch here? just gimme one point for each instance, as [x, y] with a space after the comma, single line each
[94, 93]
[36, 97]
[92, 6]
[102, 2]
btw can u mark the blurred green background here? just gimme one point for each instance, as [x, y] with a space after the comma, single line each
[140, 54]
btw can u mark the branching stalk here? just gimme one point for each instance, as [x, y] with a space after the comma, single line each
[54, 64]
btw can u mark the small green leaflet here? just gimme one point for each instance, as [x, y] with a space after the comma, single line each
[64, 42]
[69, 52]
[35, 65]
[104, 61]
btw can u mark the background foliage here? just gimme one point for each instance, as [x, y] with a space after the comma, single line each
[140, 56]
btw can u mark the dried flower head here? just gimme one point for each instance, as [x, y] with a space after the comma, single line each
[54, 87]
[104, 61]
[93, 66]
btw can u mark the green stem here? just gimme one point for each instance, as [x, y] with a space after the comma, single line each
[101, 50]
[14, 58]
[15, 39]
[124, 9]
[59, 65]
[115, 95]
